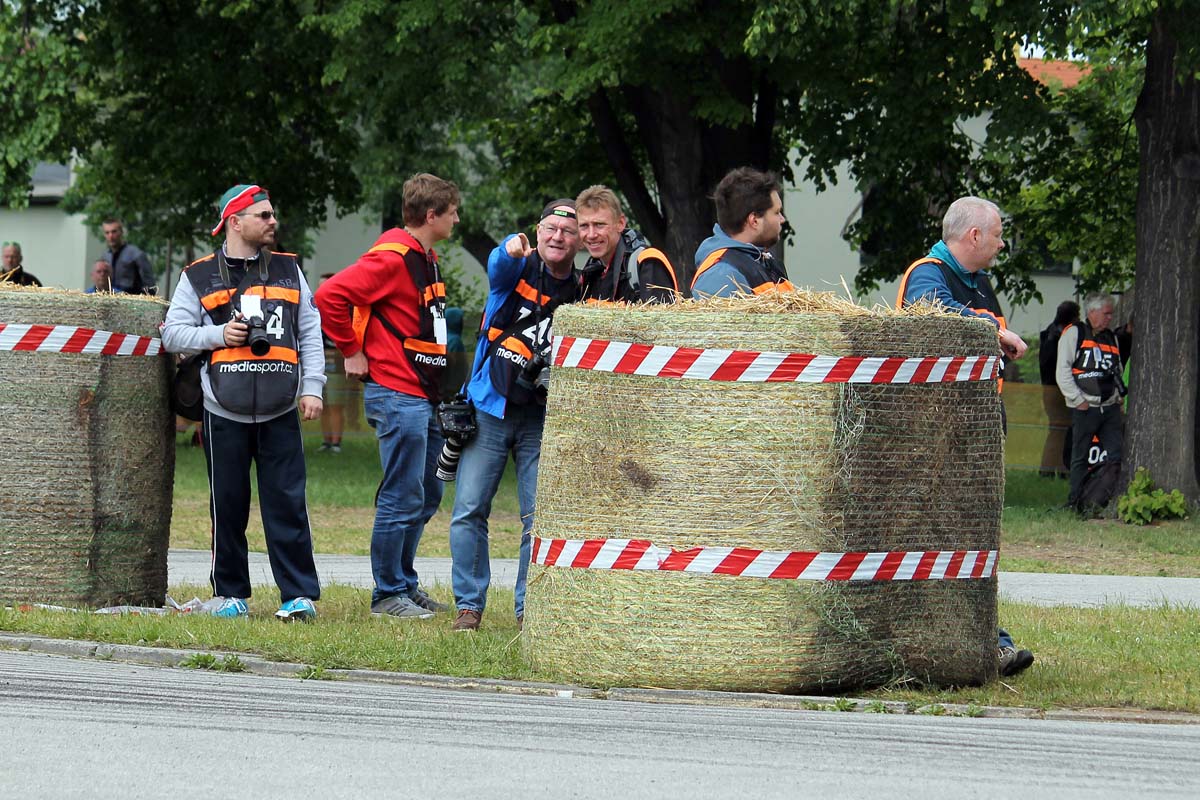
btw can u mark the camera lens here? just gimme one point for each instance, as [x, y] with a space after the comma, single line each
[447, 463]
[260, 345]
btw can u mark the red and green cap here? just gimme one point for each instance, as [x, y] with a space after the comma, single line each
[236, 199]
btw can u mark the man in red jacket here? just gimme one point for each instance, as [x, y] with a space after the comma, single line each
[386, 313]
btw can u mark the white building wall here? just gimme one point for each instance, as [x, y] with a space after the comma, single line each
[57, 247]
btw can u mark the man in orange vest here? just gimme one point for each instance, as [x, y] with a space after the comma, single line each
[737, 258]
[623, 266]
[397, 288]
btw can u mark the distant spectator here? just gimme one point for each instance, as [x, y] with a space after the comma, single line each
[457, 363]
[131, 268]
[12, 270]
[102, 279]
[1056, 453]
[341, 395]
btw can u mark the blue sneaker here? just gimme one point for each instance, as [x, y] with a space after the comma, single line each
[231, 608]
[301, 608]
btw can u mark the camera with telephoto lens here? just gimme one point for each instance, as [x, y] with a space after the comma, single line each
[535, 375]
[258, 341]
[456, 418]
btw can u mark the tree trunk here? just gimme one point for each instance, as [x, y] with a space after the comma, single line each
[1162, 427]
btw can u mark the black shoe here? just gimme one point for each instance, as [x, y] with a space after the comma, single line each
[1014, 661]
[426, 602]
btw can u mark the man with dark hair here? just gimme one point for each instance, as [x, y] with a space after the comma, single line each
[12, 269]
[526, 286]
[1089, 377]
[737, 259]
[251, 310]
[387, 314]
[131, 268]
[622, 267]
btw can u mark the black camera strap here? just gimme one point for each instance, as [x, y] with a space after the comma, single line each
[264, 255]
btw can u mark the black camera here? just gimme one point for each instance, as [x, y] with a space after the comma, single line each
[456, 418]
[258, 341]
[535, 376]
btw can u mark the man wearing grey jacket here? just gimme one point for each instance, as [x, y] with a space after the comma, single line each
[131, 270]
[1088, 373]
[252, 312]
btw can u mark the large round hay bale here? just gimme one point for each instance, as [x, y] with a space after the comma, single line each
[782, 467]
[87, 457]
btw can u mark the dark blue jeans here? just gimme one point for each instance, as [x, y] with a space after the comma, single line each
[479, 472]
[409, 443]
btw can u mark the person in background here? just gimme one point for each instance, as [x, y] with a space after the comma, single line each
[12, 269]
[622, 267]
[1056, 453]
[131, 268]
[737, 258]
[341, 394]
[102, 279]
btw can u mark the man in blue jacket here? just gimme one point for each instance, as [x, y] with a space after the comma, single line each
[737, 258]
[507, 386]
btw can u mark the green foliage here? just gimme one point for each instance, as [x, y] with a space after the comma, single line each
[877, 707]
[843, 704]
[1143, 502]
[207, 661]
[310, 673]
[932, 710]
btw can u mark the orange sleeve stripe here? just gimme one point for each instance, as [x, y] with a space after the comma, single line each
[208, 257]
[217, 298]
[243, 354]
[394, 247]
[493, 333]
[713, 258]
[275, 293]
[420, 346]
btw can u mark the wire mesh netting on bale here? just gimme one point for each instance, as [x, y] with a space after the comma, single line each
[87, 456]
[774, 466]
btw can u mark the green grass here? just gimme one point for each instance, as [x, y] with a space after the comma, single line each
[341, 499]
[1037, 535]
[1086, 658]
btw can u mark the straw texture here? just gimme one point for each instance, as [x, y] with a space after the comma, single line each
[86, 458]
[782, 466]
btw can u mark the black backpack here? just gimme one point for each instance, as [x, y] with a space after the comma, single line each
[187, 397]
[1099, 486]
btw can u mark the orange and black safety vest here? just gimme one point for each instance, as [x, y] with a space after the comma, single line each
[242, 382]
[763, 275]
[621, 279]
[1097, 361]
[519, 331]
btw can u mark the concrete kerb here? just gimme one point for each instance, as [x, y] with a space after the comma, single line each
[255, 665]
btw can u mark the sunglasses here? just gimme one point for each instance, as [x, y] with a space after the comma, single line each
[263, 215]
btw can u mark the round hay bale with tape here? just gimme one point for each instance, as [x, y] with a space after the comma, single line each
[87, 456]
[702, 526]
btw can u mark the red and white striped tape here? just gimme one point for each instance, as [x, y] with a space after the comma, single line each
[662, 361]
[640, 554]
[69, 339]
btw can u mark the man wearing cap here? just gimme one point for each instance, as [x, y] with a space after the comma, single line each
[11, 269]
[251, 311]
[623, 266]
[508, 387]
[386, 312]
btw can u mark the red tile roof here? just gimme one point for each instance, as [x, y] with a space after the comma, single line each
[1055, 74]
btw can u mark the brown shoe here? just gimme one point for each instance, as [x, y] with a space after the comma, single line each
[468, 619]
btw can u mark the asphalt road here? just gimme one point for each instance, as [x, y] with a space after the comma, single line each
[1040, 588]
[81, 728]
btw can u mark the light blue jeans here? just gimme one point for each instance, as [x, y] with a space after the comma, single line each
[409, 493]
[479, 472]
